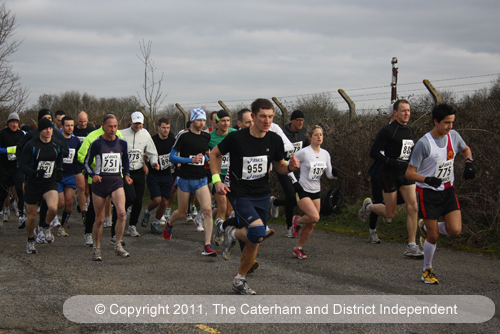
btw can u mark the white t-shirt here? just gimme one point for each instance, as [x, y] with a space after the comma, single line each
[312, 166]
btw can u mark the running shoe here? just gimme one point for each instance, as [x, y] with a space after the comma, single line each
[189, 218]
[113, 241]
[6, 214]
[107, 222]
[39, 236]
[254, 267]
[96, 256]
[163, 220]
[269, 232]
[295, 227]
[299, 253]
[229, 242]
[145, 219]
[168, 212]
[428, 277]
[289, 232]
[198, 221]
[413, 251]
[129, 211]
[364, 212]
[49, 238]
[167, 231]
[209, 251]
[30, 247]
[240, 285]
[374, 238]
[275, 210]
[14, 207]
[120, 251]
[423, 232]
[155, 227]
[218, 232]
[88, 239]
[387, 220]
[62, 232]
[132, 231]
[55, 222]
[194, 212]
[21, 222]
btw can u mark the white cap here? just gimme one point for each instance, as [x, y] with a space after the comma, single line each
[137, 117]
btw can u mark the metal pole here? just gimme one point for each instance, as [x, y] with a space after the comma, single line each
[394, 81]
[350, 103]
[284, 112]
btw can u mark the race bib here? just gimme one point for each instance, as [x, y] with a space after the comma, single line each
[134, 156]
[164, 161]
[296, 147]
[225, 161]
[406, 149]
[110, 163]
[317, 169]
[444, 171]
[201, 163]
[48, 167]
[254, 167]
[71, 155]
[81, 139]
[11, 156]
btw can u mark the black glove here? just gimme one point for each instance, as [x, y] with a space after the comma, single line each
[469, 171]
[297, 187]
[398, 164]
[59, 174]
[335, 172]
[433, 181]
[40, 173]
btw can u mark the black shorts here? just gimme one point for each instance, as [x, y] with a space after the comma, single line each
[107, 186]
[434, 204]
[302, 193]
[391, 181]
[34, 194]
[159, 185]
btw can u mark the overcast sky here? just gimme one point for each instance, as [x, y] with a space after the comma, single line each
[237, 51]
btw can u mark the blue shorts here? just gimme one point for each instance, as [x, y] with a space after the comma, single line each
[250, 209]
[159, 185]
[190, 186]
[67, 182]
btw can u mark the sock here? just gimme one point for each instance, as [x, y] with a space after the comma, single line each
[238, 276]
[412, 244]
[373, 231]
[65, 217]
[429, 250]
[31, 239]
[442, 228]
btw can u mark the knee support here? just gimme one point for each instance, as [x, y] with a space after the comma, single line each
[255, 232]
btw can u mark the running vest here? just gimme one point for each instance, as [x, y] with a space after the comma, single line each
[439, 164]
[110, 163]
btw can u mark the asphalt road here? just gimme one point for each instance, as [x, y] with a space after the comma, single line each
[33, 288]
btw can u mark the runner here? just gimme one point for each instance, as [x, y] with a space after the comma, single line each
[314, 161]
[432, 167]
[191, 145]
[396, 141]
[110, 153]
[160, 181]
[251, 152]
[41, 162]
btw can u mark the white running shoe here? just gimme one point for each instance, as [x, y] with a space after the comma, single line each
[107, 222]
[88, 239]
[49, 238]
[198, 221]
[275, 210]
[132, 231]
[55, 222]
[62, 232]
[39, 235]
[120, 251]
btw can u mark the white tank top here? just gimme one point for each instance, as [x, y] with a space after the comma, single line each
[439, 164]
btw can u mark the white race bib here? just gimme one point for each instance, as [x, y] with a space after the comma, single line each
[444, 170]
[11, 156]
[225, 161]
[134, 156]
[48, 167]
[406, 149]
[254, 167]
[296, 147]
[201, 163]
[164, 160]
[81, 139]
[317, 169]
[110, 163]
[71, 155]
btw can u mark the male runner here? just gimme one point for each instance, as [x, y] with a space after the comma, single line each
[160, 181]
[251, 152]
[41, 162]
[431, 166]
[396, 141]
[110, 153]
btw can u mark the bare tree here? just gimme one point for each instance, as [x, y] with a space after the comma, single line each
[152, 88]
[12, 95]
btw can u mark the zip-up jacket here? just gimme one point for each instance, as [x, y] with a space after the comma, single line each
[139, 143]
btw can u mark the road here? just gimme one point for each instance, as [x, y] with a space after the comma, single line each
[35, 287]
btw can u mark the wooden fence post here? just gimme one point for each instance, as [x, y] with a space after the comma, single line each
[394, 81]
[352, 105]
[184, 113]
[223, 105]
[284, 112]
[435, 95]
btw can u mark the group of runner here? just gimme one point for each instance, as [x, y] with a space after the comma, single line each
[237, 163]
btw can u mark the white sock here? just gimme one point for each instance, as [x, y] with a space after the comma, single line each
[373, 231]
[429, 250]
[442, 228]
[238, 276]
[412, 244]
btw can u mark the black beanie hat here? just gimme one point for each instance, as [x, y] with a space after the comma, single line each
[43, 112]
[44, 124]
[297, 114]
[221, 114]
